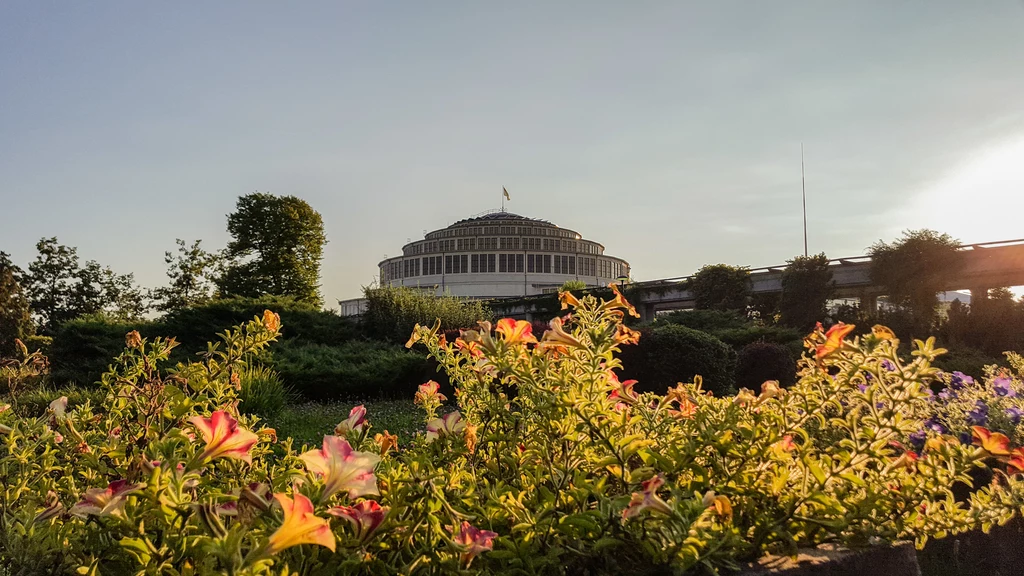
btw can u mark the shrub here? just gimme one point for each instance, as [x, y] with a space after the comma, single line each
[550, 465]
[806, 288]
[82, 348]
[35, 402]
[41, 344]
[720, 287]
[391, 312]
[966, 360]
[707, 320]
[995, 401]
[356, 369]
[262, 392]
[761, 361]
[670, 354]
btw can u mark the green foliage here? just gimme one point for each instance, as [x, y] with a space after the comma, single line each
[550, 465]
[261, 392]
[36, 343]
[15, 316]
[571, 285]
[670, 354]
[806, 288]
[707, 320]
[994, 401]
[720, 287]
[82, 349]
[913, 270]
[392, 312]
[992, 323]
[967, 360]
[306, 422]
[735, 329]
[34, 403]
[761, 361]
[191, 277]
[355, 369]
[276, 248]
[60, 290]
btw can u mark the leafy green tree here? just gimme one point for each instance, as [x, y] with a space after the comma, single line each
[49, 283]
[806, 287]
[720, 287]
[276, 249]
[60, 290]
[570, 285]
[913, 270]
[191, 277]
[15, 315]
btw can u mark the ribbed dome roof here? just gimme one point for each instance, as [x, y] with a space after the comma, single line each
[499, 216]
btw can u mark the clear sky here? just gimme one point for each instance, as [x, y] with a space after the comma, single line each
[668, 131]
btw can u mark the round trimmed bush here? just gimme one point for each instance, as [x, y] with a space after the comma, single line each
[263, 392]
[670, 354]
[761, 361]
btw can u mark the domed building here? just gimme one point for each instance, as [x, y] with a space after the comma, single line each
[501, 255]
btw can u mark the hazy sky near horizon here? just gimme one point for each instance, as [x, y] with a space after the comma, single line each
[668, 131]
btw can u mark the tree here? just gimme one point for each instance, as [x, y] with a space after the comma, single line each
[191, 277]
[720, 287]
[276, 249]
[570, 285]
[49, 283]
[806, 288]
[15, 315]
[59, 290]
[913, 270]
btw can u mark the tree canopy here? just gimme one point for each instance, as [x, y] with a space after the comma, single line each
[15, 316]
[191, 277]
[276, 248]
[721, 287]
[806, 287]
[913, 269]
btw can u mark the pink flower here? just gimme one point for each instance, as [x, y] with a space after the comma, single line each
[342, 468]
[58, 407]
[623, 391]
[355, 421]
[58, 438]
[450, 423]
[364, 518]
[300, 526]
[223, 437]
[429, 391]
[473, 541]
[648, 498]
[106, 501]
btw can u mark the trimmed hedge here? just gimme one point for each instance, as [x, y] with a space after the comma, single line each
[672, 353]
[761, 361]
[355, 369]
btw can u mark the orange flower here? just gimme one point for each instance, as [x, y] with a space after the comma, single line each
[133, 339]
[647, 498]
[619, 302]
[271, 321]
[687, 409]
[1016, 463]
[107, 501]
[557, 337]
[721, 504]
[994, 443]
[882, 332]
[414, 337]
[623, 392]
[223, 437]
[833, 339]
[744, 396]
[567, 299]
[386, 442]
[472, 348]
[770, 389]
[300, 526]
[515, 331]
[626, 335]
[471, 438]
[364, 517]
[342, 468]
[784, 446]
[473, 541]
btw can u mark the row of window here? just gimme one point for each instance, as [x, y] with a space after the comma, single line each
[503, 263]
[503, 243]
[507, 230]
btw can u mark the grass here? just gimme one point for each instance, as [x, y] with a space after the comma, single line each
[308, 423]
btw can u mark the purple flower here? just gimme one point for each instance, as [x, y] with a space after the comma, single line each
[862, 387]
[888, 365]
[935, 426]
[1014, 415]
[917, 439]
[965, 438]
[978, 416]
[959, 380]
[947, 394]
[1004, 387]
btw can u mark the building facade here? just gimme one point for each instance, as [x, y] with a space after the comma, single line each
[500, 255]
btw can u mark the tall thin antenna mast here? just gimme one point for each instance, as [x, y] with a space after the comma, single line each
[803, 193]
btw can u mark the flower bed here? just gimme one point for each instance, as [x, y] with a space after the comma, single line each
[551, 464]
